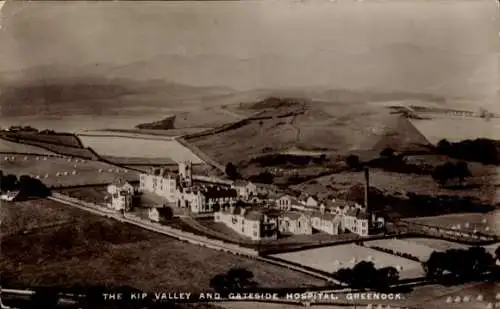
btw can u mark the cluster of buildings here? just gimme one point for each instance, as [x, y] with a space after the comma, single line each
[271, 223]
[182, 190]
[283, 215]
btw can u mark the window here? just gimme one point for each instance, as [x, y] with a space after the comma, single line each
[255, 226]
[254, 234]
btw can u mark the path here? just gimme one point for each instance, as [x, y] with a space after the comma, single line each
[189, 237]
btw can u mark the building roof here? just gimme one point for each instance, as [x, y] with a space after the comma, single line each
[254, 215]
[358, 213]
[218, 192]
[293, 215]
[325, 216]
[120, 182]
[240, 182]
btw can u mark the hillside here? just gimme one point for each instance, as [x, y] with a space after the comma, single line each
[279, 125]
[95, 95]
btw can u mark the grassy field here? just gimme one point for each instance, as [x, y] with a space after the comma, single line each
[96, 251]
[53, 138]
[414, 248]
[435, 297]
[139, 160]
[87, 194]
[332, 258]
[8, 146]
[87, 172]
[487, 224]
[137, 147]
[456, 129]
[482, 184]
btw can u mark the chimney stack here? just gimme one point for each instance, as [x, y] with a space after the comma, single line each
[367, 192]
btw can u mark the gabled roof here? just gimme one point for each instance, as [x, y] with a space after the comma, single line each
[254, 215]
[217, 192]
[358, 213]
[293, 215]
[120, 182]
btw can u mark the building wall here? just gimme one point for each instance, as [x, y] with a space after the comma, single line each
[300, 226]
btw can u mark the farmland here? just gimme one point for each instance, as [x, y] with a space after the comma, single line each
[66, 139]
[331, 259]
[58, 171]
[456, 129]
[481, 186]
[13, 147]
[94, 250]
[130, 146]
[468, 222]
[413, 248]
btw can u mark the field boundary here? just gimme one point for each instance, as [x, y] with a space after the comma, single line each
[199, 153]
[199, 240]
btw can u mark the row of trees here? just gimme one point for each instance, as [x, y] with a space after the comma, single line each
[462, 264]
[442, 174]
[364, 275]
[481, 150]
[27, 185]
[235, 279]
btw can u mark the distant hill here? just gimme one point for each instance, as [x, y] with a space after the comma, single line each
[164, 124]
[279, 125]
[91, 95]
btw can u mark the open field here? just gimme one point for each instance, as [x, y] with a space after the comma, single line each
[46, 168]
[135, 147]
[436, 244]
[456, 129]
[10, 147]
[399, 183]
[310, 126]
[32, 214]
[139, 161]
[468, 222]
[87, 194]
[96, 251]
[60, 149]
[435, 297]
[414, 248]
[51, 138]
[331, 259]
[155, 132]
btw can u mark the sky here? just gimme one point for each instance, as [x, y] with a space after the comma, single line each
[458, 40]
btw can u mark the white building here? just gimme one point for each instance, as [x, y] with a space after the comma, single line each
[161, 182]
[285, 202]
[205, 199]
[245, 189]
[327, 222]
[186, 173]
[254, 224]
[295, 223]
[121, 193]
[356, 221]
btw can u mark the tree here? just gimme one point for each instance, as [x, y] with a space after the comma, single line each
[9, 182]
[353, 161]
[462, 171]
[497, 253]
[166, 212]
[387, 153]
[240, 277]
[219, 283]
[387, 276]
[231, 171]
[435, 266]
[444, 146]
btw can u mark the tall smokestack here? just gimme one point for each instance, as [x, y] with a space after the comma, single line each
[367, 192]
[367, 186]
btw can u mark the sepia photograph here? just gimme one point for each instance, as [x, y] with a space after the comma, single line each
[330, 154]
